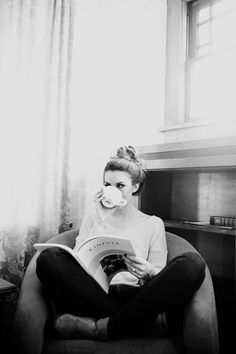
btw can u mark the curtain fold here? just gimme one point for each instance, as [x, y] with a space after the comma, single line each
[35, 42]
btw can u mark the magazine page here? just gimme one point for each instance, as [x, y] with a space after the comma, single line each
[102, 279]
[103, 256]
[93, 249]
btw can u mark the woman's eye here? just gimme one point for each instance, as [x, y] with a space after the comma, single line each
[120, 186]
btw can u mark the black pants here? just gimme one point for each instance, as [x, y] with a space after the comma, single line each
[76, 292]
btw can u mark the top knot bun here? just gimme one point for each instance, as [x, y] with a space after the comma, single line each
[127, 160]
[127, 152]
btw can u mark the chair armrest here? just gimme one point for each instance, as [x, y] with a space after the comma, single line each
[31, 314]
[32, 310]
[200, 321]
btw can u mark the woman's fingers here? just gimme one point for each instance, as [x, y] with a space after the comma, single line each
[138, 266]
[134, 260]
[99, 193]
[133, 267]
[98, 196]
[133, 270]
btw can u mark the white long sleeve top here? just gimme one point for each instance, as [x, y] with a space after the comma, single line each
[148, 240]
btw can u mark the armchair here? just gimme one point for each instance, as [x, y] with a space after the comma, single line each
[199, 334]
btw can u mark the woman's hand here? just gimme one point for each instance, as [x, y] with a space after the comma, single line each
[101, 211]
[139, 267]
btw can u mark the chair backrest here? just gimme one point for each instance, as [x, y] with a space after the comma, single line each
[65, 238]
[175, 244]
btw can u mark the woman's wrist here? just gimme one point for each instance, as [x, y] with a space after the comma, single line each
[151, 271]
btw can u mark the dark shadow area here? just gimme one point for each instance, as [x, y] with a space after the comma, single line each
[225, 304]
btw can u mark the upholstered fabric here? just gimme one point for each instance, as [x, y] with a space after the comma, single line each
[200, 330]
[126, 346]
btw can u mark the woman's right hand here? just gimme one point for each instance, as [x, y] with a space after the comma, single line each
[102, 212]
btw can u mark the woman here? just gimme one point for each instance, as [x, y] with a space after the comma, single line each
[137, 299]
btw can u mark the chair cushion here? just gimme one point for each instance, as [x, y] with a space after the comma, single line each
[170, 345]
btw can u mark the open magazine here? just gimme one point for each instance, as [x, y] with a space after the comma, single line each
[102, 257]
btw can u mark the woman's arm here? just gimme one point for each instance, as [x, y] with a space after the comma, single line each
[157, 255]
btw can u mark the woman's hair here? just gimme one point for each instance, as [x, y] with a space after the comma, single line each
[127, 160]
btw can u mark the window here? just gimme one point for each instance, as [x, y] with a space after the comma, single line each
[211, 63]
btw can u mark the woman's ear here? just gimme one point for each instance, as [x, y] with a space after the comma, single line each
[135, 187]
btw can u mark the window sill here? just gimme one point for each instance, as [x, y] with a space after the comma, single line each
[193, 124]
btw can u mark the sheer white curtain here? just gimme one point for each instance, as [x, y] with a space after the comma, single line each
[118, 80]
[35, 47]
[100, 62]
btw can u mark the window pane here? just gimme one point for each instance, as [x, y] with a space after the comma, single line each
[223, 27]
[223, 6]
[212, 74]
[219, 8]
[203, 34]
[200, 80]
[203, 14]
[213, 87]
[224, 45]
[204, 50]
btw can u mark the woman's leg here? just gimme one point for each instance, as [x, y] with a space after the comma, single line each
[168, 290]
[71, 288]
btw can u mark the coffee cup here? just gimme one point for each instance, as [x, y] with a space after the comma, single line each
[112, 197]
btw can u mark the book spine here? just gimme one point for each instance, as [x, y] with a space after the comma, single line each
[223, 221]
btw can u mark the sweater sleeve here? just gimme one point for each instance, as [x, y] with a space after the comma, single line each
[157, 254]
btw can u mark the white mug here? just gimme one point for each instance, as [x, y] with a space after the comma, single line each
[112, 197]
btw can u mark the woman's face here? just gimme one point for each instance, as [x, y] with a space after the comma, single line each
[122, 181]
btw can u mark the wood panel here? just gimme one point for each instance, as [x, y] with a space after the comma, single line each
[196, 146]
[194, 180]
[192, 162]
[197, 196]
[156, 199]
[218, 252]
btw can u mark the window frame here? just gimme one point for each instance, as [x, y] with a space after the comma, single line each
[193, 7]
[177, 126]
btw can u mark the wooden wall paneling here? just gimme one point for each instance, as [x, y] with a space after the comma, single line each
[217, 250]
[156, 199]
[198, 195]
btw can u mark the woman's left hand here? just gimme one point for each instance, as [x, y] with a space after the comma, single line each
[140, 267]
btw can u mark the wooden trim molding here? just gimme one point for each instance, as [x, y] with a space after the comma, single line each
[202, 153]
[176, 41]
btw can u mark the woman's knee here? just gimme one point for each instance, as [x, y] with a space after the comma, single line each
[47, 259]
[193, 268]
